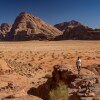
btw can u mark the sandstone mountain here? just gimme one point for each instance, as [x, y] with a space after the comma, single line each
[28, 27]
[76, 31]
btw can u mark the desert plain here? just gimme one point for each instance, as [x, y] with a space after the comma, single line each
[30, 62]
[48, 53]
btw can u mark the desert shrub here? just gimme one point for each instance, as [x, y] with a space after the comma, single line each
[53, 55]
[98, 57]
[88, 58]
[60, 93]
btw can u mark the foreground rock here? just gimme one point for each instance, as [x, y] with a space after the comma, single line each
[85, 86]
[89, 89]
[28, 27]
[63, 73]
[95, 68]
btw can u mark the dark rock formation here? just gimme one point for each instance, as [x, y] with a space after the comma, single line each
[4, 30]
[82, 33]
[74, 30]
[28, 27]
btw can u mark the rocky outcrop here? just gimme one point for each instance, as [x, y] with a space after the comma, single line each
[63, 73]
[4, 30]
[28, 27]
[76, 31]
[80, 87]
[85, 87]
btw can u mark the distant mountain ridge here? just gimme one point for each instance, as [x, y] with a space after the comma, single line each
[27, 27]
[74, 30]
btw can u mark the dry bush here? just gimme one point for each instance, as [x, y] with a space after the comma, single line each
[60, 93]
[98, 57]
[53, 55]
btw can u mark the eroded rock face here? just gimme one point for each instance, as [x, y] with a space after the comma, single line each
[28, 27]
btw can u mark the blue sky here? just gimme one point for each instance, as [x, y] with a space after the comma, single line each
[53, 11]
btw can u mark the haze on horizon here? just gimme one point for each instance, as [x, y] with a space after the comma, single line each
[53, 11]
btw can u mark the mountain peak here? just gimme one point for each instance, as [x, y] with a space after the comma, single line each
[73, 22]
[64, 25]
[25, 14]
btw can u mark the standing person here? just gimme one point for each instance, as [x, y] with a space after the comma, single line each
[78, 64]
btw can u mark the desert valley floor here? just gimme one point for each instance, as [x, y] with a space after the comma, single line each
[48, 53]
[31, 61]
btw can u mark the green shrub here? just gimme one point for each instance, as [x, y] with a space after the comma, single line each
[60, 93]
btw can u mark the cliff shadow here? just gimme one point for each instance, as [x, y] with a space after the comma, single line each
[41, 91]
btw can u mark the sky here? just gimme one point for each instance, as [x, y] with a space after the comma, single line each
[53, 11]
